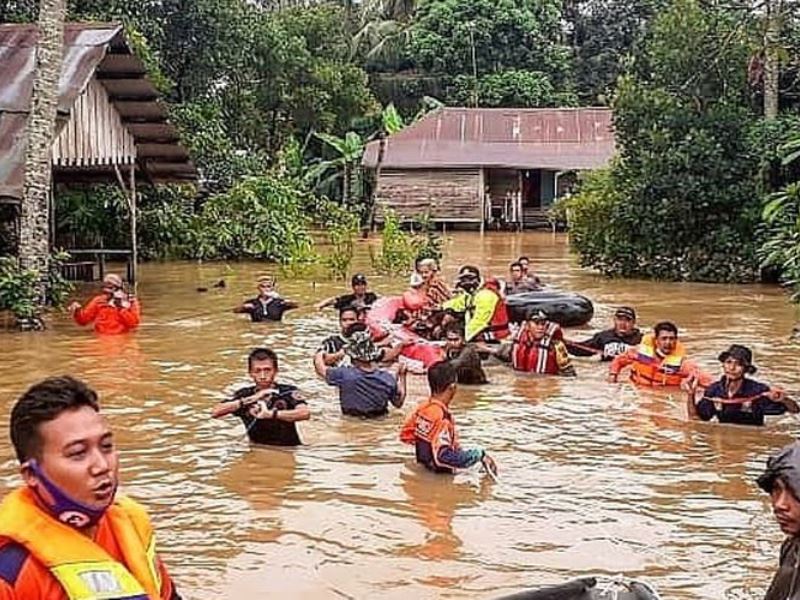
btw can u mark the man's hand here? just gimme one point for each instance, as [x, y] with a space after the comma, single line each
[490, 466]
[74, 306]
[613, 378]
[402, 369]
[689, 384]
[248, 306]
[776, 395]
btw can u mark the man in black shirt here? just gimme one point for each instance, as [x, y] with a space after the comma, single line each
[332, 347]
[268, 305]
[611, 342]
[360, 298]
[268, 410]
[464, 357]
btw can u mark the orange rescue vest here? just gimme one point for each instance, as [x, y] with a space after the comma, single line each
[650, 369]
[84, 569]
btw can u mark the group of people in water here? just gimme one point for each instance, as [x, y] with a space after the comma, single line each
[67, 534]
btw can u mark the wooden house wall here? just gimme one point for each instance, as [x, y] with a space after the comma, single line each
[94, 133]
[449, 195]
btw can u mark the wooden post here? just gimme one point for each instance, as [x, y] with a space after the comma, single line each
[134, 243]
[772, 59]
[482, 199]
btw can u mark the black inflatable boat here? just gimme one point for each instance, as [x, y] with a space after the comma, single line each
[589, 589]
[565, 308]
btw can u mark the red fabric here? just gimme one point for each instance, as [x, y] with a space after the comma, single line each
[527, 352]
[109, 320]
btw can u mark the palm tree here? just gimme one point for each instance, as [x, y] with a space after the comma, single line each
[34, 242]
[385, 27]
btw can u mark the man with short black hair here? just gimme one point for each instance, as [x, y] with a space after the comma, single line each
[332, 347]
[360, 298]
[659, 361]
[364, 389]
[464, 357]
[66, 533]
[267, 409]
[781, 480]
[517, 282]
[432, 431]
[610, 343]
[527, 274]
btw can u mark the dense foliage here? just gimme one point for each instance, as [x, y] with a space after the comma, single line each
[682, 199]
[276, 106]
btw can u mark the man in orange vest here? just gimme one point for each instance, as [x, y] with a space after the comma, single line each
[659, 361]
[66, 534]
[432, 430]
[114, 311]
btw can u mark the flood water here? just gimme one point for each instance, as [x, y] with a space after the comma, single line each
[595, 478]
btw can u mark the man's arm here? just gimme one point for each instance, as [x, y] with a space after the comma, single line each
[448, 455]
[247, 308]
[589, 347]
[565, 368]
[131, 315]
[88, 313]
[620, 362]
[227, 407]
[320, 365]
[289, 305]
[326, 303]
[400, 395]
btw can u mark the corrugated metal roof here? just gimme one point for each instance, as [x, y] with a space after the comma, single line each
[90, 49]
[544, 138]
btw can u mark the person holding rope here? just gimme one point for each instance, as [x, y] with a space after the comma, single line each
[66, 532]
[268, 410]
[736, 398]
[432, 431]
[610, 343]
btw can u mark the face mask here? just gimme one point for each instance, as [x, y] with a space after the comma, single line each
[64, 508]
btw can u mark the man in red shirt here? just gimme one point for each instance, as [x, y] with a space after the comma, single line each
[113, 312]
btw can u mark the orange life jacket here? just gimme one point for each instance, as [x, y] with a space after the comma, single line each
[650, 369]
[430, 427]
[82, 568]
[537, 356]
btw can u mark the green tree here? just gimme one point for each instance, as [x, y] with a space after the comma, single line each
[521, 36]
[681, 201]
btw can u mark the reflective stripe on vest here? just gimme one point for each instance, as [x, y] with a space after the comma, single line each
[84, 569]
[651, 370]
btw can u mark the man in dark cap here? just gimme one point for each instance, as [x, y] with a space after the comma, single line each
[781, 480]
[360, 298]
[538, 347]
[364, 389]
[736, 398]
[483, 309]
[611, 342]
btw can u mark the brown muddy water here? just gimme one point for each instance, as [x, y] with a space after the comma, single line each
[595, 478]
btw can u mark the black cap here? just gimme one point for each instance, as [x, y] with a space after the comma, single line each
[742, 354]
[358, 279]
[537, 315]
[625, 312]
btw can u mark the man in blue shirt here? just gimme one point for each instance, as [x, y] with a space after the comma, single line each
[364, 389]
[735, 398]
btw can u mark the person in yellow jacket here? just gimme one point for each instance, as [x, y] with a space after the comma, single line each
[66, 534]
[484, 310]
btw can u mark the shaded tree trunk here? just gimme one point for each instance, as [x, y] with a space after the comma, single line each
[34, 244]
[772, 59]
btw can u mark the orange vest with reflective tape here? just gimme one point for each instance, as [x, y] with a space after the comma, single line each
[85, 570]
[650, 369]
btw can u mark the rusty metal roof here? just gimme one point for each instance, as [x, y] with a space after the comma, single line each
[90, 49]
[543, 138]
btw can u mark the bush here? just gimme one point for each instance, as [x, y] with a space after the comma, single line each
[398, 248]
[261, 217]
[19, 289]
[341, 228]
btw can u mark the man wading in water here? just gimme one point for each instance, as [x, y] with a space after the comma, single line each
[267, 409]
[781, 481]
